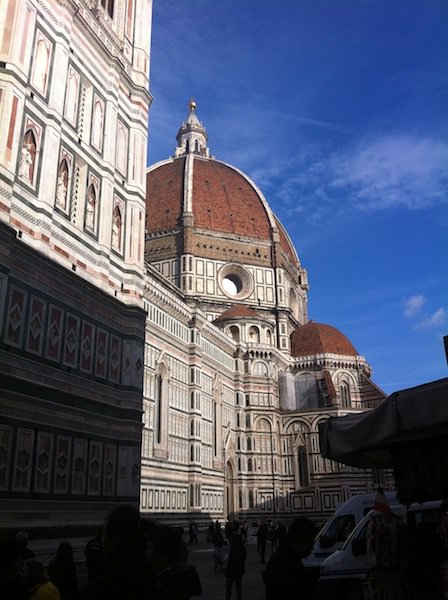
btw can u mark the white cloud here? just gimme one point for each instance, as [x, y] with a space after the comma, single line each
[393, 170]
[413, 305]
[378, 173]
[435, 320]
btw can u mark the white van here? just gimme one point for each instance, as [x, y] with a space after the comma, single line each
[343, 574]
[337, 529]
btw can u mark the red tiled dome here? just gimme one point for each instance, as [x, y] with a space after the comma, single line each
[164, 196]
[317, 338]
[238, 311]
[224, 201]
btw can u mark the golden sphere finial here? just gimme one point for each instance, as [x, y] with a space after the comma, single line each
[192, 104]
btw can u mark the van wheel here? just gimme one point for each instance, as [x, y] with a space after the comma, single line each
[352, 591]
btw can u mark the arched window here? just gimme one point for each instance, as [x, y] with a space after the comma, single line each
[251, 499]
[302, 464]
[293, 304]
[345, 394]
[249, 464]
[260, 369]
[196, 146]
[239, 464]
[98, 123]
[254, 335]
[238, 443]
[158, 424]
[191, 453]
[192, 400]
[240, 498]
[247, 420]
[237, 419]
[268, 337]
[249, 443]
[192, 427]
[235, 333]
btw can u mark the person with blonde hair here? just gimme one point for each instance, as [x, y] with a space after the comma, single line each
[37, 582]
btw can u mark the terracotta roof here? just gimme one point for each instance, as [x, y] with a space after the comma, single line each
[223, 200]
[237, 311]
[317, 338]
[164, 196]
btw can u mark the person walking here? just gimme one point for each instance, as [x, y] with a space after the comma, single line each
[262, 538]
[218, 550]
[236, 566]
[285, 576]
[62, 572]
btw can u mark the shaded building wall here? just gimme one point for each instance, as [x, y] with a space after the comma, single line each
[71, 366]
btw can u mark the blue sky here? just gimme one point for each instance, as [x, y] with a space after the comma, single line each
[338, 110]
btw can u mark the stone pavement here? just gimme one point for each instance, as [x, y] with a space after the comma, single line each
[213, 584]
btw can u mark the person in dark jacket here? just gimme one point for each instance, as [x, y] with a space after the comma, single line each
[62, 572]
[175, 579]
[236, 565]
[127, 573]
[285, 576]
[94, 555]
[262, 538]
[11, 587]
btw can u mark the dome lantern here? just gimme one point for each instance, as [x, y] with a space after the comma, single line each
[192, 136]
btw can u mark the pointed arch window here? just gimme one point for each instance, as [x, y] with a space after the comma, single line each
[345, 394]
[302, 465]
[159, 395]
[249, 464]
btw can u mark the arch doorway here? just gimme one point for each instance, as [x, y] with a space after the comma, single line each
[230, 491]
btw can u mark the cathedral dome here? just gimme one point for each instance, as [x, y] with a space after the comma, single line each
[317, 338]
[201, 206]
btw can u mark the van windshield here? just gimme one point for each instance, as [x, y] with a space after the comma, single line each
[338, 531]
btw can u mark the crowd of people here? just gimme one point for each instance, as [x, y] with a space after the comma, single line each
[133, 559]
[140, 559]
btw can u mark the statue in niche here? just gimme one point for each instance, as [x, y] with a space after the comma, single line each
[90, 207]
[116, 229]
[62, 185]
[27, 157]
[26, 160]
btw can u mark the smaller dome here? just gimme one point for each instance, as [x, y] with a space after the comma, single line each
[316, 338]
[237, 311]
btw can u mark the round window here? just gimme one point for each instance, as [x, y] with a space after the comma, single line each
[235, 281]
[232, 285]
